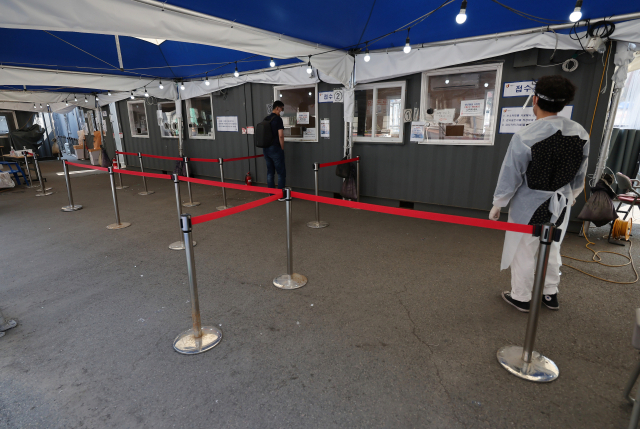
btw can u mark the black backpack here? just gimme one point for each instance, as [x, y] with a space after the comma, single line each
[264, 136]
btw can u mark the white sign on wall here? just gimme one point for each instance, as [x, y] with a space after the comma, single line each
[472, 108]
[227, 123]
[514, 118]
[417, 132]
[519, 89]
[324, 128]
[338, 96]
[444, 115]
[325, 97]
[303, 118]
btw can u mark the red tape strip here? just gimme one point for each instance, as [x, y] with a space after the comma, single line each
[231, 185]
[460, 220]
[240, 159]
[344, 161]
[138, 173]
[91, 167]
[128, 153]
[172, 158]
[233, 210]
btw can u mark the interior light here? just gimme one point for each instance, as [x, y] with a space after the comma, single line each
[85, 99]
[161, 86]
[206, 81]
[446, 81]
[309, 92]
[486, 85]
[34, 105]
[75, 98]
[235, 73]
[97, 99]
[132, 97]
[462, 16]
[182, 86]
[280, 95]
[66, 103]
[272, 63]
[41, 105]
[146, 94]
[109, 93]
[47, 104]
[576, 15]
[309, 68]
[367, 57]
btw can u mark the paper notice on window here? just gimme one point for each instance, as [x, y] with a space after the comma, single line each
[303, 118]
[444, 115]
[472, 108]
[513, 119]
[227, 123]
[250, 130]
[417, 131]
[324, 128]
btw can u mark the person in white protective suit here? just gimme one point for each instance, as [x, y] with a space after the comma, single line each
[544, 169]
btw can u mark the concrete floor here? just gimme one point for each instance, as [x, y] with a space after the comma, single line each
[398, 326]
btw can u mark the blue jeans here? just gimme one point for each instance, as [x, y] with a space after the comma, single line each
[274, 156]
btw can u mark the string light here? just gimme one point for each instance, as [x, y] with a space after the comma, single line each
[97, 99]
[462, 16]
[109, 93]
[47, 104]
[132, 97]
[34, 105]
[235, 73]
[367, 57]
[161, 86]
[206, 81]
[447, 81]
[75, 98]
[576, 15]
[407, 45]
[309, 92]
[486, 85]
[66, 103]
[272, 63]
[182, 86]
[146, 94]
[41, 105]
[309, 68]
[85, 99]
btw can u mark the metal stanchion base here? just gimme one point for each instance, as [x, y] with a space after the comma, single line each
[186, 344]
[40, 194]
[46, 189]
[118, 225]
[179, 245]
[71, 208]
[315, 224]
[122, 187]
[223, 207]
[146, 193]
[193, 204]
[540, 370]
[293, 281]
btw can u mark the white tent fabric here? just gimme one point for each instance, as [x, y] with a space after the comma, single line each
[135, 19]
[28, 107]
[628, 31]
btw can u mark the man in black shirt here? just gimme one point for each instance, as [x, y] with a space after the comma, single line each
[274, 154]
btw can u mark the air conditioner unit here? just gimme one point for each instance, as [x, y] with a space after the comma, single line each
[461, 81]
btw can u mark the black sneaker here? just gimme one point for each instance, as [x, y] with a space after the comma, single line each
[551, 301]
[519, 305]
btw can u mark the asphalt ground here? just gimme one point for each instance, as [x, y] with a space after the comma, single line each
[398, 326]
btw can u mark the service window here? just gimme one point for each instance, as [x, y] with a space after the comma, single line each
[377, 113]
[168, 119]
[200, 118]
[8, 122]
[299, 116]
[465, 104]
[138, 118]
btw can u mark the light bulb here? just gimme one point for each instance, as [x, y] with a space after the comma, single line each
[206, 81]
[462, 16]
[34, 105]
[41, 105]
[146, 94]
[161, 86]
[447, 81]
[367, 57]
[132, 97]
[109, 93]
[235, 73]
[576, 15]
[182, 86]
[309, 68]
[280, 95]
[75, 98]
[407, 47]
[85, 99]
[309, 92]
[66, 103]
[97, 99]
[272, 63]
[486, 85]
[47, 104]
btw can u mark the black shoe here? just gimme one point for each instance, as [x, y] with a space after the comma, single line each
[519, 305]
[551, 301]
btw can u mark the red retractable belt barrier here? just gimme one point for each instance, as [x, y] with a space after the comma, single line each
[244, 157]
[91, 167]
[138, 173]
[171, 158]
[460, 220]
[203, 159]
[230, 185]
[344, 161]
[128, 153]
[227, 212]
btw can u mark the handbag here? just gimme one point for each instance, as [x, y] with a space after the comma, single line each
[349, 188]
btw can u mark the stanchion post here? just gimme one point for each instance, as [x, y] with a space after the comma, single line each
[71, 207]
[290, 280]
[523, 362]
[118, 224]
[316, 224]
[116, 164]
[42, 192]
[199, 338]
[144, 179]
[358, 179]
[26, 163]
[178, 245]
[224, 191]
[191, 203]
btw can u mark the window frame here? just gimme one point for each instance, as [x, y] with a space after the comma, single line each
[278, 88]
[424, 93]
[146, 115]
[159, 109]
[375, 87]
[15, 122]
[187, 106]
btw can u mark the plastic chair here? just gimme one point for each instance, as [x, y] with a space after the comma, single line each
[635, 341]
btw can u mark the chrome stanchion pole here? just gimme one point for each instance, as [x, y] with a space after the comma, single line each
[144, 179]
[116, 163]
[42, 191]
[290, 280]
[118, 224]
[71, 207]
[358, 179]
[191, 203]
[199, 338]
[523, 362]
[224, 191]
[317, 223]
[178, 245]
[26, 164]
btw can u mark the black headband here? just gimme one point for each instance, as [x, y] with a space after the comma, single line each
[550, 100]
